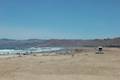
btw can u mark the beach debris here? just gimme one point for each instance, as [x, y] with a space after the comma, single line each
[19, 54]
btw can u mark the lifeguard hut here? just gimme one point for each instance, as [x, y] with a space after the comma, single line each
[99, 50]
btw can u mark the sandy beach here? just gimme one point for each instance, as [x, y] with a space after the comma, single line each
[83, 66]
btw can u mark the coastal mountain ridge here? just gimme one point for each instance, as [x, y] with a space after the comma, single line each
[21, 44]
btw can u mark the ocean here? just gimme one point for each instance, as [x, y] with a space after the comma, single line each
[29, 50]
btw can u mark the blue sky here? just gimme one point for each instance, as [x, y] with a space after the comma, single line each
[59, 19]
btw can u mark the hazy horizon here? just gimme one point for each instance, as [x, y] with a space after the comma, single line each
[60, 38]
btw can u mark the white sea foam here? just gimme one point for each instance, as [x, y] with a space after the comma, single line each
[29, 50]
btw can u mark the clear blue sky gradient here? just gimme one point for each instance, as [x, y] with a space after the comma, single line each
[69, 19]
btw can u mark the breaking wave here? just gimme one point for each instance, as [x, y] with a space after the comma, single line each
[29, 50]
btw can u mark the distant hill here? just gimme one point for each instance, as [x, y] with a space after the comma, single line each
[21, 44]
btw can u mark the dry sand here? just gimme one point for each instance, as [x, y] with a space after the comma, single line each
[83, 66]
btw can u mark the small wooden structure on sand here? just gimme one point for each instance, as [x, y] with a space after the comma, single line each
[99, 50]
